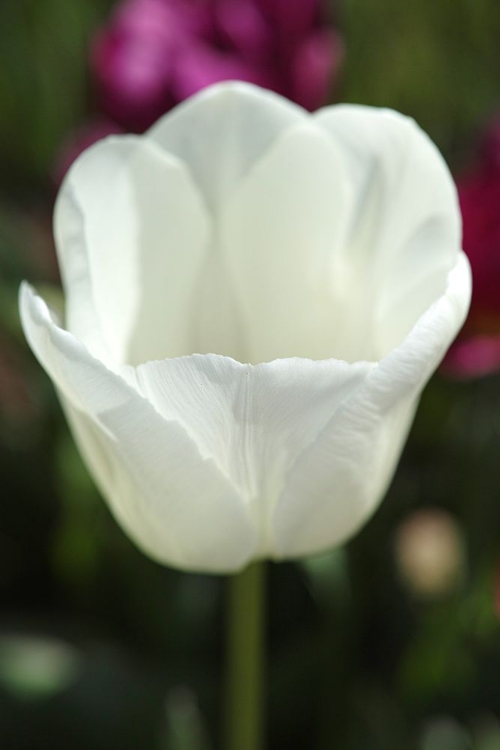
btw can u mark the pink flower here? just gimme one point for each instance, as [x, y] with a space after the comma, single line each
[155, 53]
[477, 351]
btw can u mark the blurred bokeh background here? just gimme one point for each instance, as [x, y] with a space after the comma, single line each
[391, 642]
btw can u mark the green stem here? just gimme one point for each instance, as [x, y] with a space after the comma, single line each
[245, 654]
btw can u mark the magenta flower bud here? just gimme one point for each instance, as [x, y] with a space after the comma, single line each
[155, 53]
[477, 351]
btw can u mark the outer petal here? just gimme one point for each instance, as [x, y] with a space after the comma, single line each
[254, 421]
[405, 228]
[174, 503]
[132, 236]
[220, 132]
[340, 478]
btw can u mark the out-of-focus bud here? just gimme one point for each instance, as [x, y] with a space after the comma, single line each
[477, 350]
[444, 733]
[155, 53]
[430, 552]
[34, 667]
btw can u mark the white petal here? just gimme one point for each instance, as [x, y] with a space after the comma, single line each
[132, 237]
[254, 421]
[282, 232]
[221, 131]
[339, 480]
[405, 228]
[174, 503]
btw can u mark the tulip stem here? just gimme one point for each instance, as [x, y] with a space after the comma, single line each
[245, 654]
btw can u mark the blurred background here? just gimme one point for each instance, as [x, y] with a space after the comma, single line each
[391, 642]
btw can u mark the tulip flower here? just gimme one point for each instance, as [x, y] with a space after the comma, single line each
[255, 299]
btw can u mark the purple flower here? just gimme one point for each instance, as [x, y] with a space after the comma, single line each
[155, 53]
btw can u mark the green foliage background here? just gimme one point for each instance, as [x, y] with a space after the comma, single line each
[357, 660]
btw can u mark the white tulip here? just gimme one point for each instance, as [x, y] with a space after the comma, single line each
[255, 299]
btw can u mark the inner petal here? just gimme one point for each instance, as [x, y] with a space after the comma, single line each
[221, 131]
[281, 238]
